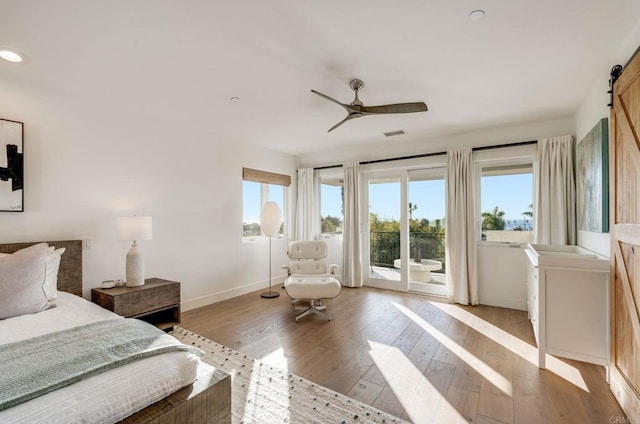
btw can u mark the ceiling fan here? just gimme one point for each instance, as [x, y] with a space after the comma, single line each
[356, 109]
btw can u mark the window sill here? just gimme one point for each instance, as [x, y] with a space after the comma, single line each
[518, 244]
[258, 239]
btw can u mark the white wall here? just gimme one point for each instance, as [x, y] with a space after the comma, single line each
[86, 165]
[592, 109]
[502, 276]
[393, 147]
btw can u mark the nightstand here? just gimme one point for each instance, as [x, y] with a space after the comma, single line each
[156, 302]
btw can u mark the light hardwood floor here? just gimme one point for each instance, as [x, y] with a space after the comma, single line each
[415, 357]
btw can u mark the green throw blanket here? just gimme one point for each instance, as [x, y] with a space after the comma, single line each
[33, 367]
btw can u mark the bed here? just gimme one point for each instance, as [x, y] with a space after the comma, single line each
[132, 393]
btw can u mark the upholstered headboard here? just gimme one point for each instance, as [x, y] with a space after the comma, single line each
[70, 272]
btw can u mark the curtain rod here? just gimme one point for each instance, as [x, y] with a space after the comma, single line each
[496, 146]
[425, 155]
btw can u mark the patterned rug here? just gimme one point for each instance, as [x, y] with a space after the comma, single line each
[265, 394]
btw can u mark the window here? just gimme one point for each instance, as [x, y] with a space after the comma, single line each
[258, 188]
[507, 202]
[331, 206]
[251, 206]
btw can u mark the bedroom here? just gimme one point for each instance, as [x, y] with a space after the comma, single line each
[127, 110]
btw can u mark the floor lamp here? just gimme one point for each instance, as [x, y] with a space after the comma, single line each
[270, 221]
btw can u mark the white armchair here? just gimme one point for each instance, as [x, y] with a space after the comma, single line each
[310, 279]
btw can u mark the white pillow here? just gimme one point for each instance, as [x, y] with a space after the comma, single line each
[52, 266]
[51, 277]
[21, 281]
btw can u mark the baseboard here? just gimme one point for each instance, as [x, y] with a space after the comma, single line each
[598, 360]
[517, 304]
[211, 298]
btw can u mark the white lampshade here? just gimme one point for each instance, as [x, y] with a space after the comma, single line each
[132, 228]
[270, 219]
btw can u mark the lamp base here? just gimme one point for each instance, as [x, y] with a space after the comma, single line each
[135, 266]
[270, 294]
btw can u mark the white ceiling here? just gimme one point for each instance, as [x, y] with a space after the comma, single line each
[182, 61]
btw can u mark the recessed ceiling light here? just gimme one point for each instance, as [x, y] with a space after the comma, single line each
[476, 15]
[235, 99]
[11, 56]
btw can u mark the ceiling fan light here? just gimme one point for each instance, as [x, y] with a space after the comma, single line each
[356, 109]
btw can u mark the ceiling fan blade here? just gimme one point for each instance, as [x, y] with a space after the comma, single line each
[395, 108]
[324, 96]
[349, 117]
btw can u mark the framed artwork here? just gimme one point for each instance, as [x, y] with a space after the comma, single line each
[592, 179]
[11, 166]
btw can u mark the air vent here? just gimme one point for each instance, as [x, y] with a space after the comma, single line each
[392, 133]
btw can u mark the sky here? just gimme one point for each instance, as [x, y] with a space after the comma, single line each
[511, 193]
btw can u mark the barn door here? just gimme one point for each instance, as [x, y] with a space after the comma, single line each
[625, 239]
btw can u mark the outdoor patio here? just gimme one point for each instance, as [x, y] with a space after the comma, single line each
[394, 274]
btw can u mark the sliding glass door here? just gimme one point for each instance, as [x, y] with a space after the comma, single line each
[426, 207]
[404, 246]
[384, 235]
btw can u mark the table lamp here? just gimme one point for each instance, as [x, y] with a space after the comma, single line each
[134, 228]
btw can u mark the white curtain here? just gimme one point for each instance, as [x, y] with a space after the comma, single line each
[307, 219]
[460, 244]
[351, 261]
[554, 191]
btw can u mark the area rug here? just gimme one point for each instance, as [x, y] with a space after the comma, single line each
[261, 393]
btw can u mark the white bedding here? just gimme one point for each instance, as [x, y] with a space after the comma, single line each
[105, 398]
